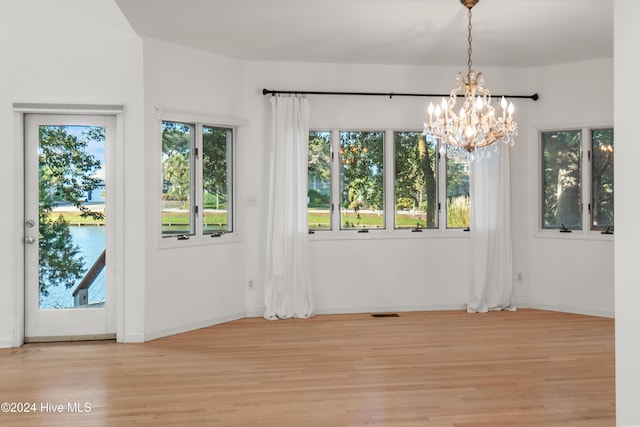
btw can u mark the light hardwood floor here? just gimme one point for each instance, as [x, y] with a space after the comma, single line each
[533, 368]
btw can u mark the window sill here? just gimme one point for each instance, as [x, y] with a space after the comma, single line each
[404, 234]
[574, 235]
[174, 243]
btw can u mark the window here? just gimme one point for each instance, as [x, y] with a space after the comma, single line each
[458, 199]
[319, 183]
[197, 180]
[361, 180]
[565, 183]
[351, 189]
[416, 195]
[602, 179]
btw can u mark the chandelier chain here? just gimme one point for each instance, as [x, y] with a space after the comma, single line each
[469, 38]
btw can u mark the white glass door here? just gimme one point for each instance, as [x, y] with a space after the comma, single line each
[68, 294]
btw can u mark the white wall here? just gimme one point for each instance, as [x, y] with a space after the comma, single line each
[67, 51]
[190, 287]
[572, 273]
[627, 153]
[374, 272]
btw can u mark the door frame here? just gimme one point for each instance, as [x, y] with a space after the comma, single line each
[116, 206]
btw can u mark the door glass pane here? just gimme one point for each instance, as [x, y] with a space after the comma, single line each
[72, 217]
[416, 202]
[319, 182]
[362, 180]
[458, 200]
[602, 179]
[216, 182]
[561, 196]
[176, 179]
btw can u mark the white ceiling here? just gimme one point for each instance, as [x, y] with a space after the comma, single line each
[507, 33]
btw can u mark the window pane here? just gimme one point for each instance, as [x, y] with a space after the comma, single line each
[561, 179]
[319, 184]
[458, 200]
[176, 179]
[362, 180]
[416, 203]
[216, 179]
[602, 179]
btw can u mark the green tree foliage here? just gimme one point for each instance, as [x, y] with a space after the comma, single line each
[67, 172]
[319, 159]
[214, 161]
[416, 174]
[602, 178]
[362, 170]
[176, 166]
[561, 196]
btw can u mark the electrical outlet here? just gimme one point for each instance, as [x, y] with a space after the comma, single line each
[250, 284]
[519, 277]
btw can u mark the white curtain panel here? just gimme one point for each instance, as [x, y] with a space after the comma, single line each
[287, 284]
[491, 282]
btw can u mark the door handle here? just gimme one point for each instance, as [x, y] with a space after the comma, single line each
[29, 239]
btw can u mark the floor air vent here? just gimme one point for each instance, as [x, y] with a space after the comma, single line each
[385, 315]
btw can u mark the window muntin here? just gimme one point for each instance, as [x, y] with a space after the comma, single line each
[362, 180]
[197, 180]
[216, 179]
[416, 196]
[601, 207]
[177, 175]
[458, 199]
[561, 180]
[319, 181]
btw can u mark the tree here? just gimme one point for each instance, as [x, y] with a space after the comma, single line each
[319, 159]
[561, 158]
[214, 161]
[362, 170]
[415, 173]
[67, 171]
[176, 167]
[602, 177]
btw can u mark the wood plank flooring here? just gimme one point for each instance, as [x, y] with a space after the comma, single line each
[524, 368]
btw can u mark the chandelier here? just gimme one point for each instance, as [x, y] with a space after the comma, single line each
[471, 130]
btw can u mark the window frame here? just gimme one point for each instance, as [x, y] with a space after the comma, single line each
[198, 122]
[390, 231]
[586, 232]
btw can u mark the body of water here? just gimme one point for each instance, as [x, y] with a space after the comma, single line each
[91, 241]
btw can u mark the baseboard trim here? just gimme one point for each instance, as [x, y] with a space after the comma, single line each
[64, 338]
[6, 343]
[586, 311]
[131, 338]
[375, 309]
[193, 326]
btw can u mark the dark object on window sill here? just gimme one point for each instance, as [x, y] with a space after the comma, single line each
[364, 230]
[183, 237]
[564, 229]
[466, 229]
[217, 234]
[607, 230]
[416, 230]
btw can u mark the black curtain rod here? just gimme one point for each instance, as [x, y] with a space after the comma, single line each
[389, 94]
